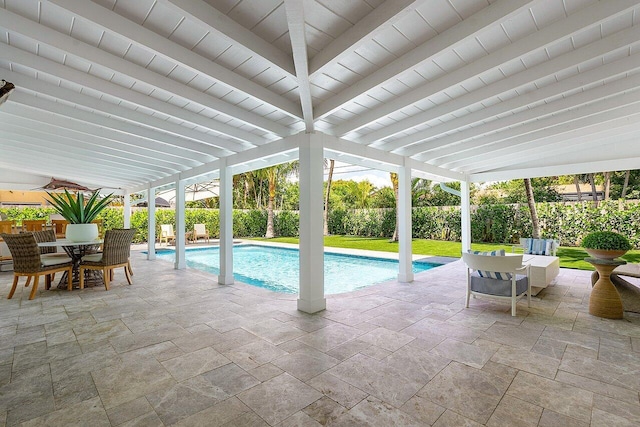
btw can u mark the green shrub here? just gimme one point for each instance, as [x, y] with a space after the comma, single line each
[286, 223]
[606, 240]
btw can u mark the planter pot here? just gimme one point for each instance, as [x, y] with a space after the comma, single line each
[82, 232]
[605, 254]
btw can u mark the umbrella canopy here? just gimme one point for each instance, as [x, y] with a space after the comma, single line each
[160, 203]
[194, 192]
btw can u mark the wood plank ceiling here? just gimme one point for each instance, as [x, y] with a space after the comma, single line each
[123, 93]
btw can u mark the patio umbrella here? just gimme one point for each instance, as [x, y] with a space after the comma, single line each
[160, 203]
[194, 192]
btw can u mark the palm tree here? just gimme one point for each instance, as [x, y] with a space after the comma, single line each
[532, 208]
[326, 198]
[272, 175]
[576, 181]
[396, 193]
[625, 185]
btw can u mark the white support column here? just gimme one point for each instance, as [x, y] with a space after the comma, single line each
[151, 224]
[180, 237]
[465, 215]
[311, 297]
[126, 209]
[226, 224]
[405, 275]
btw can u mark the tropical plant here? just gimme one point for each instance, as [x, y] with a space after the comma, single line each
[75, 210]
[606, 240]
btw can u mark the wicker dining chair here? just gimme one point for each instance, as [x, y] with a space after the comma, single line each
[116, 250]
[28, 262]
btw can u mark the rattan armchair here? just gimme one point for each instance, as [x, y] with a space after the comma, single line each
[28, 262]
[116, 250]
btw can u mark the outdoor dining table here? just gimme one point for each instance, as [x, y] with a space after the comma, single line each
[75, 251]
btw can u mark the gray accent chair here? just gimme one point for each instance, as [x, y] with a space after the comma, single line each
[516, 285]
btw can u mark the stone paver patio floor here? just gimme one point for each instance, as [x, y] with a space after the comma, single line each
[178, 349]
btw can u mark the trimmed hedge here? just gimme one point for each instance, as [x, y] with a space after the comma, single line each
[499, 223]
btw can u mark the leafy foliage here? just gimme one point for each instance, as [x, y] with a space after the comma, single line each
[75, 210]
[606, 240]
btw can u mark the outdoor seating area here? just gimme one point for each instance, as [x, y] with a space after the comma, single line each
[397, 354]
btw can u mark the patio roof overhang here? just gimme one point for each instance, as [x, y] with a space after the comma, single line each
[138, 94]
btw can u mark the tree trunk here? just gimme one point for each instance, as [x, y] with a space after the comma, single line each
[607, 184]
[326, 198]
[272, 195]
[576, 181]
[594, 193]
[396, 193]
[532, 208]
[625, 185]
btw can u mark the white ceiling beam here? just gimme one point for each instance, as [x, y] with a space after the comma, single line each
[246, 139]
[139, 35]
[587, 102]
[339, 145]
[224, 27]
[59, 163]
[29, 126]
[552, 127]
[296, 25]
[579, 21]
[565, 169]
[87, 146]
[42, 34]
[607, 71]
[601, 138]
[41, 117]
[380, 18]
[449, 39]
[268, 152]
[114, 125]
[53, 147]
[177, 132]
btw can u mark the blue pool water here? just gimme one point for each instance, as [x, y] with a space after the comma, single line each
[277, 269]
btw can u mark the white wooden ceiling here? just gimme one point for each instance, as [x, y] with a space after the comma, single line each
[127, 93]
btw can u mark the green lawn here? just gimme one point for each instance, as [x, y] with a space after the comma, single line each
[570, 257]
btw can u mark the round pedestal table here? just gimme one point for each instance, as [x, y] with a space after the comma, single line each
[605, 300]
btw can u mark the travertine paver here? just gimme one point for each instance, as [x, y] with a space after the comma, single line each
[177, 348]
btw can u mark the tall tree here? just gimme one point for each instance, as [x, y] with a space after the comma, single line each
[594, 193]
[576, 181]
[607, 184]
[625, 185]
[272, 175]
[532, 208]
[396, 194]
[326, 197]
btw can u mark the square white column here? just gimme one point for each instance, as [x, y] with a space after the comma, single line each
[151, 224]
[311, 297]
[180, 262]
[126, 209]
[465, 215]
[226, 224]
[405, 274]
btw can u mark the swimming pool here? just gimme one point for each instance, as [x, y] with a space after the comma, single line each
[277, 269]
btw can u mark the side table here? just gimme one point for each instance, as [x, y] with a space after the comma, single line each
[605, 300]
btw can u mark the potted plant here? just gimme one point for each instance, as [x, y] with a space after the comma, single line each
[605, 244]
[79, 213]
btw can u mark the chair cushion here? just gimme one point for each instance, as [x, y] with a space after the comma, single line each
[486, 285]
[492, 274]
[48, 261]
[539, 246]
[93, 257]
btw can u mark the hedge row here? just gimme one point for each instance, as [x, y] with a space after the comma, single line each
[500, 223]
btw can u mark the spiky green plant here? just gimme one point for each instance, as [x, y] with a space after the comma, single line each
[75, 210]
